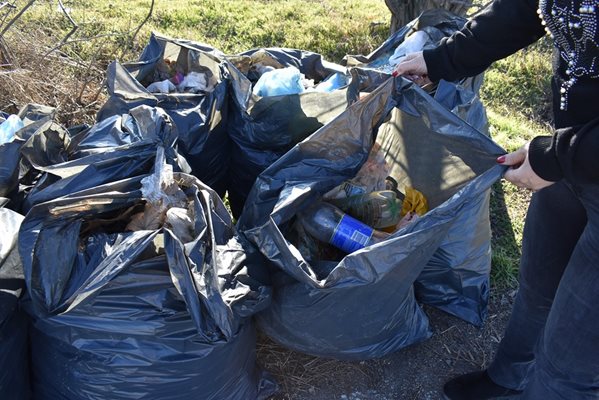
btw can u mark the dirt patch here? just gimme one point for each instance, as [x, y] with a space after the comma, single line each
[414, 373]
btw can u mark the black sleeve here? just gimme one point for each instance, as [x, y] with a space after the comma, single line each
[503, 28]
[571, 153]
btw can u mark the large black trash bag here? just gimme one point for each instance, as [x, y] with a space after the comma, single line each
[363, 306]
[456, 279]
[119, 147]
[133, 306]
[200, 117]
[14, 374]
[461, 97]
[264, 128]
[34, 116]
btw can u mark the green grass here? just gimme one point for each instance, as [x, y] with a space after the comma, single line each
[516, 90]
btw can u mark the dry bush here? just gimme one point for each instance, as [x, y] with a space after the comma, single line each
[29, 75]
[52, 61]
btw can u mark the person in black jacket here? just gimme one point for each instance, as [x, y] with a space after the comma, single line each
[550, 349]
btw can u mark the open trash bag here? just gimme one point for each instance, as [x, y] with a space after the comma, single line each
[196, 100]
[119, 147]
[456, 279]
[14, 359]
[135, 291]
[265, 123]
[363, 305]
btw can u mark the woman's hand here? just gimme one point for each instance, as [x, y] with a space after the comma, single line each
[413, 67]
[520, 172]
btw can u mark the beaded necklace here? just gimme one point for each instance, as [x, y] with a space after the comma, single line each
[573, 27]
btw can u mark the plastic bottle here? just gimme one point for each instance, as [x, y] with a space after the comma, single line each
[329, 224]
[378, 209]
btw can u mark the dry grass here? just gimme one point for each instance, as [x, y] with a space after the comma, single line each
[301, 374]
[72, 86]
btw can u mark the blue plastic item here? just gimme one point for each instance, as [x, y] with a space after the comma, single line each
[279, 82]
[332, 83]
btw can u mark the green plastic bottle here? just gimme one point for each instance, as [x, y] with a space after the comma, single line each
[378, 209]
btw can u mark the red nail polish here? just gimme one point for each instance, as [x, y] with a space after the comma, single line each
[394, 73]
[500, 159]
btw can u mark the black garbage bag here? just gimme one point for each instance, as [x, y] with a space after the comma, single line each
[199, 115]
[456, 279]
[33, 116]
[119, 147]
[14, 373]
[264, 128]
[147, 295]
[363, 306]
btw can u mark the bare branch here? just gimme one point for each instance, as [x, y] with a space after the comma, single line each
[68, 35]
[16, 17]
[143, 22]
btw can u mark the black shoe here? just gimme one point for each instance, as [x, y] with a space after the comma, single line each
[475, 386]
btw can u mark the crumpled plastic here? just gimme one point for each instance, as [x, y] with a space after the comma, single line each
[9, 127]
[165, 86]
[194, 82]
[279, 82]
[411, 44]
[370, 178]
[414, 201]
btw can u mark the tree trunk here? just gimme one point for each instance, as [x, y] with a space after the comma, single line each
[403, 11]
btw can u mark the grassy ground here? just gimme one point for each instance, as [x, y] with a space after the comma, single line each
[515, 90]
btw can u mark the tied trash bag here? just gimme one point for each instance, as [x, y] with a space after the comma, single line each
[116, 148]
[147, 295]
[456, 279]
[264, 128]
[14, 381]
[195, 98]
[362, 305]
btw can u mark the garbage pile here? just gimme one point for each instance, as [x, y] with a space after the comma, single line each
[351, 210]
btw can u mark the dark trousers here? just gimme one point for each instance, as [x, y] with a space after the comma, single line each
[551, 345]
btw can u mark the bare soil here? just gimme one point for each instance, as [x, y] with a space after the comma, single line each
[414, 373]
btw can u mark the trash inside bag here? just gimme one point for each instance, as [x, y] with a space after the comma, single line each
[112, 306]
[14, 354]
[189, 81]
[411, 44]
[361, 304]
[264, 128]
[332, 83]
[279, 82]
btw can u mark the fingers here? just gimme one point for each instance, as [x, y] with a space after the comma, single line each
[513, 159]
[412, 64]
[520, 172]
